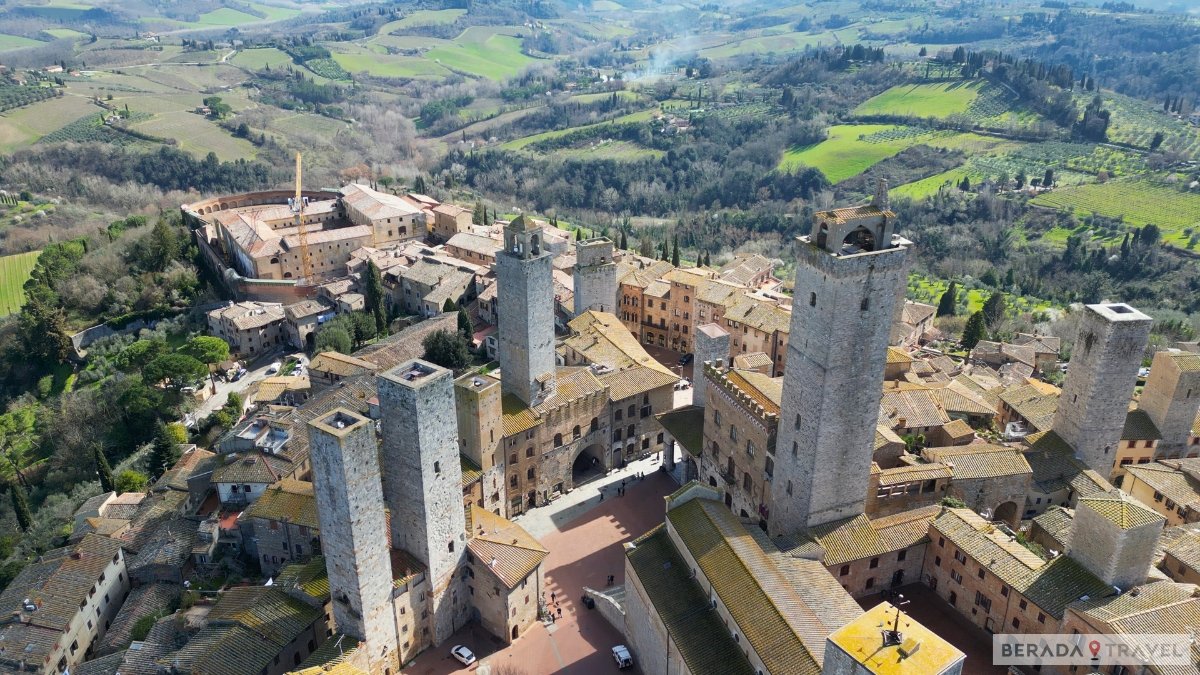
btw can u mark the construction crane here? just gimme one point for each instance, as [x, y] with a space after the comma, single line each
[302, 229]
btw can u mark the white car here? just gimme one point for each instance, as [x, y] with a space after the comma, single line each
[464, 655]
[274, 368]
[622, 656]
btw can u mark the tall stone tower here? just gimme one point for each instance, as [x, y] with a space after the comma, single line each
[1095, 396]
[345, 464]
[595, 276]
[526, 312]
[712, 344]
[1171, 398]
[1113, 536]
[480, 412]
[847, 272]
[422, 478]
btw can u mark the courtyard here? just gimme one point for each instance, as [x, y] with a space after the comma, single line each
[584, 535]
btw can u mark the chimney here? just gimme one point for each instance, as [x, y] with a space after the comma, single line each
[881, 194]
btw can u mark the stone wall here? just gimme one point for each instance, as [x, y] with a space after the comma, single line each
[595, 276]
[526, 314]
[1171, 397]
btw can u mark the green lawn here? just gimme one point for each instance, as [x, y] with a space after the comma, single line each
[923, 100]
[226, 17]
[927, 187]
[424, 17]
[846, 153]
[257, 59]
[385, 65]
[8, 42]
[1138, 201]
[624, 95]
[64, 33]
[14, 271]
[497, 57]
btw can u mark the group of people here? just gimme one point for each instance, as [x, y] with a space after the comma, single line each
[553, 609]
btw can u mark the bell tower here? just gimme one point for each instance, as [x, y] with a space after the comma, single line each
[526, 312]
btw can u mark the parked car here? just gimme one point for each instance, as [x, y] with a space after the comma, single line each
[238, 375]
[622, 656]
[274, 368]
[465, 656]
[686, 359]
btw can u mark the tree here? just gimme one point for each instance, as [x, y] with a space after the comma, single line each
[132, 481]
[948, 304]
[104, 471]
[216, 107]
[138, 354]
[1156, 141]
[974, 331]
[43, 330]
[675, 251]
[448, 305]
[164, 453]
[419, 185]
[624, 245]
[465, 328]
[177, 370]
[374, 297]
[994, 308]
[1048, 178]
[332, 338]
[206, 349]
[362, 327]
[446, 349]
[21, 507]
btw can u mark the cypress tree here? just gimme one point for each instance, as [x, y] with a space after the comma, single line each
[624, 241]
[374, 297]
[464, 323]
[675, 251]
[21, 508]
[104, 471]
[948, 304]
[993, 309]
[974, 331]
[165, 451]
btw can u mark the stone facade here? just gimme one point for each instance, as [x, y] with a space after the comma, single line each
[841, 320]
[480, 413]
[595, 276]
[1114, 537]
[526, 312]
[1095, 396]
[422, 480]
[712, 346]
[1171, 397]
[346, 482]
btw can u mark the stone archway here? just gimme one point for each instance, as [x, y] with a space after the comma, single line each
[1009, 513]
[588, 464]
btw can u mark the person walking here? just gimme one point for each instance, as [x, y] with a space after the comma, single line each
[560, 612]
[552, 595]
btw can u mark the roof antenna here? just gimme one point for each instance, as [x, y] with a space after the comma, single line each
[893, 637]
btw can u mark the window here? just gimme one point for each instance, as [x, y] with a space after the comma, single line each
[1041, 618]
[941, 541]
[557, 440]
[747, 482]
[1023, 604]
[865, 304]
[874, 563]
[956, 576]
[937, 561]
[717, 417]
[617, 415]
[982, 574]
[1004, 591]
[512, 459]
[437, 467]
[902, 555]
[733, 435]
[770, 471]
[983, 601]
[1016, 622]
[844, 571]
[789, 488]
[513, 480]
[870, 583]
[451, 547]
[529, 473]
[795, 449]
[960, 557]
[529, 452]
[812, 299]
[797, 422]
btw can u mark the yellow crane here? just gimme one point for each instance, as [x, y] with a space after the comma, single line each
[302, 229]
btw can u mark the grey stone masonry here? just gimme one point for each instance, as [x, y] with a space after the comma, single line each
[345, 465]
[842, 311]
[525, 295]
[595, 276]
[1114, 537]
[712, 345]
[422, 476]
[1171, 397]
[1095, 397]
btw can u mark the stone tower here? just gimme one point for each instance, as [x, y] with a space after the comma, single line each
[422, 479]
[1095, 396]
[480, 412]
[1171, 398]
[712, 344]
[526, 312]
[595, 276]
[847, 271]
[345, 465]
[1113, 536]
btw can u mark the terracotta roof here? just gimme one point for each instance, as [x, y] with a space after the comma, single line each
[336, 363]
[1055, 467]
[958, 429]
[600, 337]
[518, 417]
[504, 547]
[1057, 522]
[981, 460]
[249, 315]
[758, 313]
[912, 473]
[766, 391]
[1036, 406]
[1120, 510]
[1139, 427]
[1050, 585]
[305, 308]
[896, 355]
[701, 637]
[470, 472]
[144, 600]
[752, 361]
[860, 537]
[783, 631]
[310, 578]
[331, 658]
[375, 205]
[1174, 484]
[406, 345]
[288, 500]
[851, 213]
[570, 384]
[1158, 608]
[636, 380]
[916, 408]
[956, 397]
[252, 467]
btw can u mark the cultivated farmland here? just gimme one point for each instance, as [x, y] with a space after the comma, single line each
[14, 271]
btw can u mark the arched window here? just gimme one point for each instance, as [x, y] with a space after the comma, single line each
[512, 459]
[631, 412]
[629, 432]
[557, 440]
[595, 424]
[513, 480]
[812, 299]
[823, 235]
[575, 433]
[861, 238]
[535, 244]
[529, 473]
[645, 399]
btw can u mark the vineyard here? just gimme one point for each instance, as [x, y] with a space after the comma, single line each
[1137, 201]
[1135, 122]
[14, 96]
[92, 128]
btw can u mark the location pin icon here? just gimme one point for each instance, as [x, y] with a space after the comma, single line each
[1094, 646]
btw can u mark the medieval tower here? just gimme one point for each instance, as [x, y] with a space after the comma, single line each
[525, 312]
[712, 346]
[1171, 398]
[345, 465]
[1095, 397]
[847, 271]
[595, 276]
[422, 481]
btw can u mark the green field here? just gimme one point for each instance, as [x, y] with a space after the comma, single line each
[8, 42]
[381, 65]
[624, 95]
[424, 17]
[928, 187]
[767, 44]
[14, 271]
[64, 33]
[621, 151]
[25, 125]
[197, 135]
[257, 59]
[483, 51]
[518, 144]
[923, 100]
[850, 150]
[1138, 201]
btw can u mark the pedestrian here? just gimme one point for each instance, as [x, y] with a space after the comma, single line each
[551, 597]
[601, 494]
[610, 580]
[560, 612]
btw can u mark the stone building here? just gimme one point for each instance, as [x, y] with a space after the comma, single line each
[504, 574]
[479, 410]
[301, 320]
[281, 526]
[60, 604]
[595, 276]
[849, 272]
[1138, 445]
[473, 248]
[425, 287]
[449, 220]
[1104, 365]
[991, 479]
[422, 482]
[1171, 487]
[712, 347]
[1171, 398]
[250, 328]
[1163, 608]
[1113, 536]
[243, 478]
[903, 647]
[526, 331]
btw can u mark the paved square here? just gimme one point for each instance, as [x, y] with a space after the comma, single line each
[583, 552]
